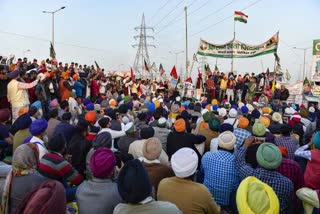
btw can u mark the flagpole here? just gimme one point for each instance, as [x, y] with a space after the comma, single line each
[191, 69]
[234, 37]
[186, 22]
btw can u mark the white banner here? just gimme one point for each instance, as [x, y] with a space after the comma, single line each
[295, 88]
[236, 49]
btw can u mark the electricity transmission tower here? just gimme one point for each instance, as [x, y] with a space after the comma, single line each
[142, 55]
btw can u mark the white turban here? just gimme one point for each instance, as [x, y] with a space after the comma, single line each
[184, 162]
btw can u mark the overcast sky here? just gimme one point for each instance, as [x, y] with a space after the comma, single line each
[103, 30]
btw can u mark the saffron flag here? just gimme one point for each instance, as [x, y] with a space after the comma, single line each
[173, 72]
[146, 66]
[241, 17]
[161, 70]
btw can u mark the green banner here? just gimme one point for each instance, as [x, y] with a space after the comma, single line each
[316, 47]
[315, 67]
[236, 49]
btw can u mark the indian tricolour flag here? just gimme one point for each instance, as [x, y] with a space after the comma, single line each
[241, 17]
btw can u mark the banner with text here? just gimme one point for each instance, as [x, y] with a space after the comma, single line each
[236, 49]
[315, 68]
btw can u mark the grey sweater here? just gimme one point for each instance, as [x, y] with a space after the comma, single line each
[154, 207]
[97, 196]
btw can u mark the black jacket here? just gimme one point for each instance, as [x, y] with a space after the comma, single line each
[284, 94]
[79, 147]
[178, 140]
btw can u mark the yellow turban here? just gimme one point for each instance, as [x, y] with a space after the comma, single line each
[255, 197]
[214, 102]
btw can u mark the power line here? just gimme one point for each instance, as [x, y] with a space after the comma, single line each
[226, 18]
[170, 22]
[290, 48]
[204, 4]
[192, 3]
[175, 19]
[159, 9]
[46, 40]
[168, 13]
[217, 11]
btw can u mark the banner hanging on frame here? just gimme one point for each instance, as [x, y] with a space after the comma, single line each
[237, 49]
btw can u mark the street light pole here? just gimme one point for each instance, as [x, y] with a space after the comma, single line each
[53, 30]
[52, 13]
[24, 52]
[186, 22]
[176, 53]
[304, 60]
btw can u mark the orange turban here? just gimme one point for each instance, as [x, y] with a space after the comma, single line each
[64, 75]
[47, 74]
[265, 121]
[157, 103]
[181, 109]
[283, 151]
[243, 123]
[75, 76]
[91, 116]
[266, 110]
[12, 67]
[23, 110]
[208, 107]
[180, 125]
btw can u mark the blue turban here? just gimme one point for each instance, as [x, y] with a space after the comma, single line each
[151, 107]
[225, 127]
[215, 108]
[36, 104]
[204, 104]
[146, 102]
[191, 106]
[234, 106]
[14, 74]
[186, 103]
[90, 107]
[38, 126]
[316, 140]
[130, 105]
[244, 109]
[86, 101]
[255, 114]
[143, 96]
[24, 121]
[108, 111]
[119, 99]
